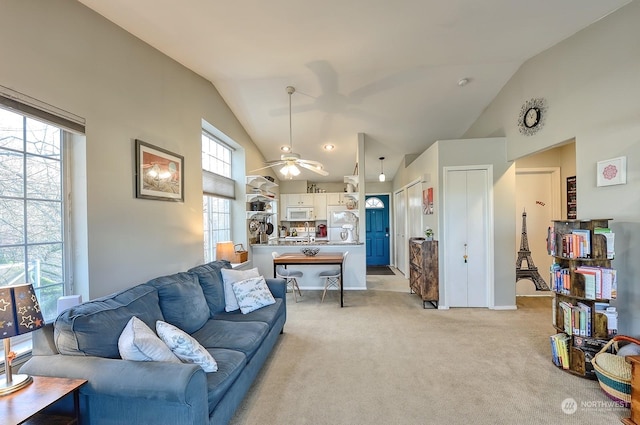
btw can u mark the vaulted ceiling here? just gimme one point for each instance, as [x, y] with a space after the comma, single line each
[388, 69]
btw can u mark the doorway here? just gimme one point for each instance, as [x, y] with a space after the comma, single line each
[537, 194]
[467, 229]
[377, 229]
[400, 241]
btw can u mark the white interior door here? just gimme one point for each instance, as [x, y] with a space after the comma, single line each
[414, 212]
[466, 242]
[537, 193]
[400, 229]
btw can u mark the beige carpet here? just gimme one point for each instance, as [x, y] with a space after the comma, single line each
[383, 359]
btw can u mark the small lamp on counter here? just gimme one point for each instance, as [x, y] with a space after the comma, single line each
[225, 251]
[19, 314]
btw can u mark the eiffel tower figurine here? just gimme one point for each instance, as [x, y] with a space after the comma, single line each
[531, 272]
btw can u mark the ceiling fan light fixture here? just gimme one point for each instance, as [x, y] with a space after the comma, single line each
[290, 171]
[381, 177]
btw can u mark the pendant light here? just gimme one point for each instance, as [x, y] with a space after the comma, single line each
[381, 177]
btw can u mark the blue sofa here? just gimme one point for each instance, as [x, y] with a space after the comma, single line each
[83, 343]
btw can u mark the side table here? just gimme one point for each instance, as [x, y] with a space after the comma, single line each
[635, 391]
[25, 406]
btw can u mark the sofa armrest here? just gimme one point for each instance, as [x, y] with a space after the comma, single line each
[277, 286]
[127, 379]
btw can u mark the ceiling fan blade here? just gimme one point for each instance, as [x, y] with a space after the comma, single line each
[311, 162]
[312, 168]
[268, 166]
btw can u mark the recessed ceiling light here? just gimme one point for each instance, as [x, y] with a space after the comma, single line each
[328, 147]
[463, 82]
[285, 148]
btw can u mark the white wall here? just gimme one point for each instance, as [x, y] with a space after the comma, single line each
[591, 85]
[62, 53]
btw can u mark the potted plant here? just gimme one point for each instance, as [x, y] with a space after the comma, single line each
[428, 233]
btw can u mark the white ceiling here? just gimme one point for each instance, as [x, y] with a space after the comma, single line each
[388, 69]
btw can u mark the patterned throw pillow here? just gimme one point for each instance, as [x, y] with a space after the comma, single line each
[252, 294]
[139, 343]
[229, 277]
[186, 347]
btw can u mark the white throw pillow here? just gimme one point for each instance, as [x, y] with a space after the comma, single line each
[229, 276]
[186, 347]
[252, 294]
[139, 343]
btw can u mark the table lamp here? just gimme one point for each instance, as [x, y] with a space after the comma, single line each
[19, 314]
[225, 251]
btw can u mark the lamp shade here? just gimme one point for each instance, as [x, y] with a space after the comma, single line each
[19, 310]
[225, 251]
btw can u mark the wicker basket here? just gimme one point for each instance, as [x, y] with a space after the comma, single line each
[613, 372]
[240, 255]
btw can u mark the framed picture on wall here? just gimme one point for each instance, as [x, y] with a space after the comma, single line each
[159, 173]
[427, 201]
[612, 171]
[572, 198]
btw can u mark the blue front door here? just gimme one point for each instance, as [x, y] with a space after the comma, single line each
[377, 234]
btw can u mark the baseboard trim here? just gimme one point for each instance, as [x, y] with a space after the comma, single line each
[504, 307]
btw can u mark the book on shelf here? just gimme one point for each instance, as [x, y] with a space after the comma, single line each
[567, 318]
[590, 347]
[551, 240]
[610, 238]
[585, 315]
[582, 245]
[560, 349]
[599, 282]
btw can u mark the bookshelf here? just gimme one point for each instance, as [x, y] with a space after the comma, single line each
[583, 283]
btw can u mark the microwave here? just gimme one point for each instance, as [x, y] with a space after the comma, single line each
[300, 213]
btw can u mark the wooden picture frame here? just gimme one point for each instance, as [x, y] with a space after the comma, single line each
[159, 173]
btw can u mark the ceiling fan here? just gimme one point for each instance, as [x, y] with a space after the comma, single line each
[290, 160]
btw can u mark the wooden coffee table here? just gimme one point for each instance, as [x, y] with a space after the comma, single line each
[25, 405]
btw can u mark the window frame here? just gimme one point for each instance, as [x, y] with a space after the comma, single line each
[210, 174]
[22, 344]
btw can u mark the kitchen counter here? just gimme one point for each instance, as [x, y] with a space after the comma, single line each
[355, 270]
[303, 243]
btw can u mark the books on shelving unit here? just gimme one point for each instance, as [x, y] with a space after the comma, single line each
[576, 244]
[560, 349]
[590, 347]
[551, 241]
[576, 319]
[599, 282]
[610, 237]
[560, 279]
[612, 317]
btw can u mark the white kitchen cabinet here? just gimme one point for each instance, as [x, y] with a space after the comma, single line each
[300, 199]
[320, 206]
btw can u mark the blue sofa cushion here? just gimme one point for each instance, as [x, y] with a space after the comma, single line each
[93, 328]
[210, 279]
[182, 301]
[268, 314]
[241, 336]
[230, 364]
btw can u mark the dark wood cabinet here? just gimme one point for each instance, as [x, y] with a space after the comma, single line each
[423, 270]
[634, 419]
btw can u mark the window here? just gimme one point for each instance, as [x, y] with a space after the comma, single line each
[373, 202]
[216, 166]
[32, 209]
